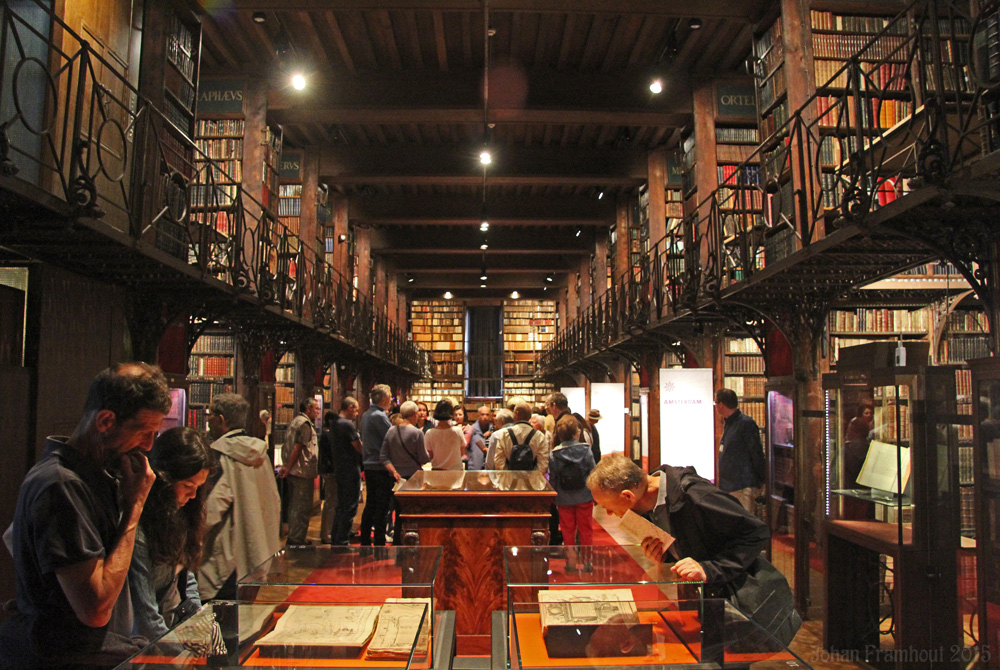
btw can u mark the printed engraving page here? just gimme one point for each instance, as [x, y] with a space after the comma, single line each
[397, 628]
[323, 626]
[638, 528]
[586, 607]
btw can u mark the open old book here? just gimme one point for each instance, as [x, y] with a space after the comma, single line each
[577, 623]
[320, 631]
[397, 627]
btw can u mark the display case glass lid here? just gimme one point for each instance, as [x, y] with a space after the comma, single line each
[541, 566]
[709, 633]
[477, 481]
[230, 634]
[347, 566]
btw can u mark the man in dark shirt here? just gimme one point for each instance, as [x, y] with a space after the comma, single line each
[346, 448]
[378, 482]
[741, 463]
[74, 528]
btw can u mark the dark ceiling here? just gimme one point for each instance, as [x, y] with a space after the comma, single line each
[399, 108]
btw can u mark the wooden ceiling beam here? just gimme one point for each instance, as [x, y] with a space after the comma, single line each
[593, 93]
[467, 211]
[747, 10]
[458, 164]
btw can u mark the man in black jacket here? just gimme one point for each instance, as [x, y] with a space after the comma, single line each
[741, 461]
[716, 541]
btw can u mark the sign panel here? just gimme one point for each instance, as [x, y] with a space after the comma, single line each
[736, 101]
[609, 399]
[577, 398]
[289, 167]
[687, 421]
[220, 96]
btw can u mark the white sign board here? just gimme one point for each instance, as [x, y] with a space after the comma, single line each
[687, 421]
[609, 399]
[577, 398]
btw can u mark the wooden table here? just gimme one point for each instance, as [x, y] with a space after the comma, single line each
[473, 515]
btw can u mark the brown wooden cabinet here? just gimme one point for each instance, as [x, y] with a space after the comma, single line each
[474, 515]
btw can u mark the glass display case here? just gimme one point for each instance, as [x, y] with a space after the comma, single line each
[895, 439]
[780, 436]
[320, 607]
[607, 606]
[986, 392]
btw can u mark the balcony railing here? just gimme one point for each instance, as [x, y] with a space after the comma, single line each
[915, 106]
[74, 130]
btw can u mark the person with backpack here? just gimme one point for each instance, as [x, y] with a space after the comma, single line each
[519, 446]
[570, 464]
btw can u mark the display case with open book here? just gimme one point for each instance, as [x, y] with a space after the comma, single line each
[606, 606]
[343, 607]
[896, 430]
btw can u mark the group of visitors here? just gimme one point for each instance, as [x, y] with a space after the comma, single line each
[120, 532]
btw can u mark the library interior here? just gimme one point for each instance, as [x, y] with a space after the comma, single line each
[632, 203]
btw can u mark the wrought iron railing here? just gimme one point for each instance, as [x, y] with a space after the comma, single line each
[72, 127]
[917, 104]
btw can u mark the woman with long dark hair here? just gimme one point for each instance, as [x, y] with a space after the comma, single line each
[168, 541]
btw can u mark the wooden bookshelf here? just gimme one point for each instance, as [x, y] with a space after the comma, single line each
[180, 85]
[173, 35]
[211, 370]
[743, 366]
[284, 397]
[532, 391]
[290, 206]
[439, 327]
[528, 327]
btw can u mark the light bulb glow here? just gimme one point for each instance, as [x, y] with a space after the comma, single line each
[484, 246]
[485, 158]
[484, 226]
[656, 86]
[447, 295]
[515, 295]
[298, 82]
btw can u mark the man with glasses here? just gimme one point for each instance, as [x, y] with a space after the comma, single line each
[74, 528]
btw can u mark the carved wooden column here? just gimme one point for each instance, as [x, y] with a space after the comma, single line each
[621, 263]
[656, 179]
[585, 285]
[600, 279]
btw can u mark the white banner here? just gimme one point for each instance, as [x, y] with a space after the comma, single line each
[687, 421]
[577, 398]
[609, 399]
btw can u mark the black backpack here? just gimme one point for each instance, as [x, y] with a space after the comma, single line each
[572, 476]
[521, 456]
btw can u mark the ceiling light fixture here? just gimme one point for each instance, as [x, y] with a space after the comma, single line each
[694, 24]
[515, 295]
[259, 17]
[550, 278]
[298, 81]
[485, 157]
[484, 226]
[482, 286]
[409, 279]
[579, 231]
[482, 277]
[656, 86]
[484, 246]
[448, 295]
